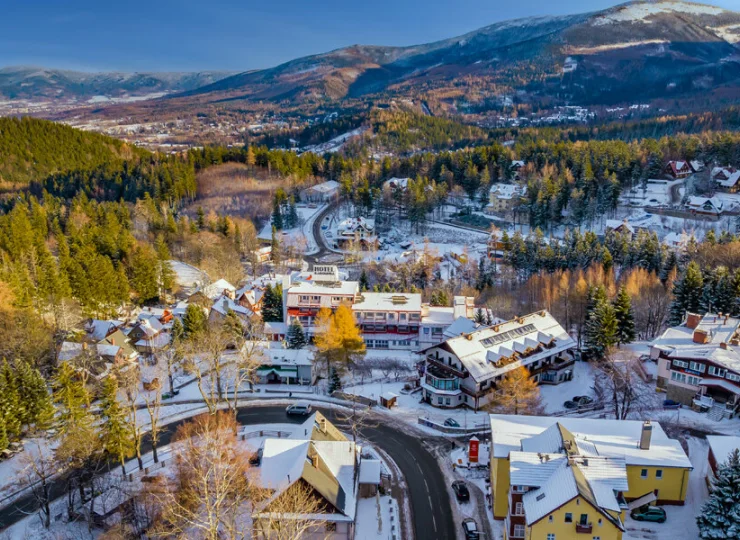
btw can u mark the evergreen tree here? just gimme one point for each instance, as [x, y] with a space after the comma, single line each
[479, 317]
[201, 219]
[116, 432]
[687, 294]
[292, 216]
[296, 337]
[364, 283]
[335, 383]
[601, 324]
[275, 248]
[194, 321]
[4, 440]
[11, 407]
[277, 215]
[272, 304]
[145, 274]
[73, 399]
[625, 317]
[720, 515]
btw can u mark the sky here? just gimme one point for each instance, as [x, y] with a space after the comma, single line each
[190, 35]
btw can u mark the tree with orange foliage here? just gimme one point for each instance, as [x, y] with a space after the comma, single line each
[516, 393]
[338, 339]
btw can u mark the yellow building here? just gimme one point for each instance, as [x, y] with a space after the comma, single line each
[644, 464]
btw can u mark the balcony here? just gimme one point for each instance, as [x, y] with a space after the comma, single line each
[585, 528]
[452, 372]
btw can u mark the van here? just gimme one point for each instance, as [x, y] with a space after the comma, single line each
[300, 408]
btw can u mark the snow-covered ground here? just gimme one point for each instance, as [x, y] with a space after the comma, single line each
[553, 396]
[188, 277]
[680, 520]
[300, 237]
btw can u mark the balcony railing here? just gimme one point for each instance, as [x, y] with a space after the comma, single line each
[586, 528]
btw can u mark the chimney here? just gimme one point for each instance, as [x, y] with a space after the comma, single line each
[700, 336]
[322, 424]
[84, 346]
[723, 345]
[647, 432]
[692, 320]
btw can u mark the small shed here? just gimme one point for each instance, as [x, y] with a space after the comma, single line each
[369, 477]
[388, 399]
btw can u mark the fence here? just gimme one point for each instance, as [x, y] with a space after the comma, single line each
[468, 430]
[264, 433]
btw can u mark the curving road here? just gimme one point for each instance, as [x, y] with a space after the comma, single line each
[432, 516]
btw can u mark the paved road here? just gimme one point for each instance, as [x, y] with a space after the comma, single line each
[319, 238]
[431, 509]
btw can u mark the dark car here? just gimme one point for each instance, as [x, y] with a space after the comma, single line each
[461, 491]
[470, 529]
[649, 513]
[670, 404]
[451, 422]
[577, 402]
[256, 458]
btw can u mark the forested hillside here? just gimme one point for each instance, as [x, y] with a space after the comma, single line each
[31, 149]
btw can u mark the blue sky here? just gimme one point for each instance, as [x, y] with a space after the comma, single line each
[172, 35]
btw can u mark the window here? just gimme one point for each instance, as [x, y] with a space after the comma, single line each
[717, 372]
[447, 401]
[550, 536]
[643, 473]
[733, 377]
[569, 517]
[597, 538]
[518, 531]
[680, 363]
[331, 527]
[659, 474]
[550, 520]
[694, 380]
[584, 519]
[696, 366]
[519, 509]
[439, 401]
[679, 377]
[519, 489]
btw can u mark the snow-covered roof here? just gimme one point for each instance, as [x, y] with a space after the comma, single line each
[158, 341]
[351, 225]
[285, 461]
[706, 204]
[508, 191]
[438, 316]
[596, 479]
[531, 469]
[461, 325]
[339, 288]
[271, 327]
[98, 330]
[677, 240]
[285, 357]
[731, 180]
[722, 446]
[559, 488]
[498, 349]
[615, 224]
[325, 187]
[610, 438]
[370, 471]
[678, 342]
[224, 304]
[216, 289]
[406, 302]
[396, 183]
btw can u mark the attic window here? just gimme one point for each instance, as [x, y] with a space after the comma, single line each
[540, 496]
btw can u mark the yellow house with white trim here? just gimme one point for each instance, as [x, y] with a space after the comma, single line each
[654, 467]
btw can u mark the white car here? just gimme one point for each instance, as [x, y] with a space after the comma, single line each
[300, 408]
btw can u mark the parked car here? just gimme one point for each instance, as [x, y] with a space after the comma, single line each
[670, 404]
[470, 529]
[451, 422]
[300, 408]
[256, 458]
[649, 513]
[645, 358]
[461, 491]
[578, 401]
